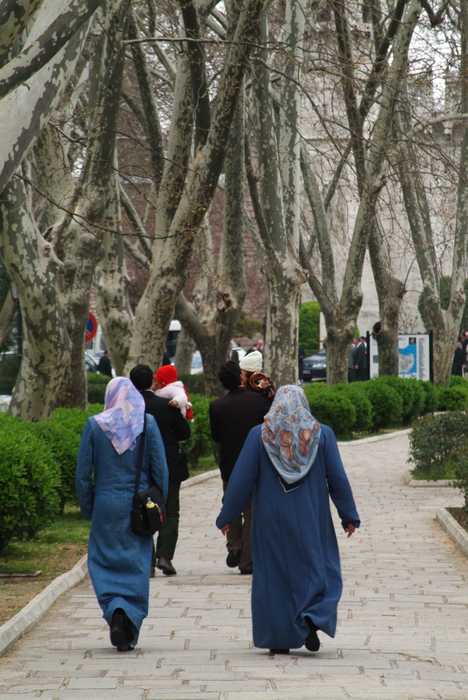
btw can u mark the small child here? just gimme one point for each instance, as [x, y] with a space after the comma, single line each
[168, 387]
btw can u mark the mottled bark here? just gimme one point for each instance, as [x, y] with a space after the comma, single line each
[7, 314]
[14, 16]
[32, 103]
[184, 352]
[156, 308]
[79, 238]
[37, 53]
[32, 265]
[445, 324]
[276, 195]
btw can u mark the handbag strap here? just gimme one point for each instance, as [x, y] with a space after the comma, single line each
[140, 457]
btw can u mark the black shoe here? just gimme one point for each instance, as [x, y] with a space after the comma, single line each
[312, 642]
[247, 572]
[279, 651]
[233, 558]
[118, 628]
[126, 647]
[166, 566]
[152, 572]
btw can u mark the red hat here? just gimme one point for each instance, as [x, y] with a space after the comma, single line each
[166, 374]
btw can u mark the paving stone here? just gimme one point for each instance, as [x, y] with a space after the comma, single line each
[402, 621]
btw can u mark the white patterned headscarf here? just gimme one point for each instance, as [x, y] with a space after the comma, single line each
[123, 417]
[291, 434]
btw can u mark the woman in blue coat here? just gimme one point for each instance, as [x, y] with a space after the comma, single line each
[119, 561]
[293, 464]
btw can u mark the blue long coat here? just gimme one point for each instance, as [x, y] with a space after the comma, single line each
[296, 562]
[118, 561]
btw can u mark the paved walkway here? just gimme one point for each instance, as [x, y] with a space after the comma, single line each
[403, 619]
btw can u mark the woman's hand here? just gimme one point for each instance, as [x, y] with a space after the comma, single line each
[350, 529]
[224, 529]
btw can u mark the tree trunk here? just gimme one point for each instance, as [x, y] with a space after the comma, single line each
[80, 238]
[338, 342]
[184, 352]
[31, 264]
[7, 314]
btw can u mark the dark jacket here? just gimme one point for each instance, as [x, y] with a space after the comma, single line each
[173, 427]
[231, 418]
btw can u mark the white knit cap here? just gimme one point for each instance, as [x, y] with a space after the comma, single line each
[252, 362]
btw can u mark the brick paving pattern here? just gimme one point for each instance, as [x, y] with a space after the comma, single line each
[403, 618]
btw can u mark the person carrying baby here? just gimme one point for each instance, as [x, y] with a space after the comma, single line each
[168, 386]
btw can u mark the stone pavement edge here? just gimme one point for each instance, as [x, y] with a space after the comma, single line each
[402, 621]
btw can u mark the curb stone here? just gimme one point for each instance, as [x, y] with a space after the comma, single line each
[21, 623]
[456, 532]
[409, 481]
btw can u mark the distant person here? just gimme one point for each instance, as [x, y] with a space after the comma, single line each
[119, 560]
[104, 365]
[351, 364]
[168, 386]
[231, 419]
[257, 347]
[293, 465]
[459, 360]
[232, 353]
[173, 428]
[166, 359]
[360, 360]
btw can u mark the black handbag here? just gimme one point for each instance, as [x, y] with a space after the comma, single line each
[148, 514]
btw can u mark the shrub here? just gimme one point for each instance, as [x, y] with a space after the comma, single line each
[309, 326]
[387, 405]
[195, 383]
[29, 481]
[247, 326]
[333, 409]
[200, 443]
[430, 396]
[354, 392]
[8, 372]
[435, 440]
[461, 476]
[451, 398]
[412, 399]
[97, 384]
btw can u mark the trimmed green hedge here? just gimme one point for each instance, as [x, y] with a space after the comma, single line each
[437, 441]
[97, 384]
[29, 481]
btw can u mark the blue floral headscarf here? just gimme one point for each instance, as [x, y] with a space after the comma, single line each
[291, 434]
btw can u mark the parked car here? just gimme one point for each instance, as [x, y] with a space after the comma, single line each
[91, 364]
[197, 363]
[314, 368]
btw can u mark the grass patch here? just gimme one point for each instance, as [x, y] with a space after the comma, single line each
[53, 551]
[205, 464]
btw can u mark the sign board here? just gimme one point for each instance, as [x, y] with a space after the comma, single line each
[91, 327]
[414, 360]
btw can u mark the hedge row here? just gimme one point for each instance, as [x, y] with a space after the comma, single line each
[386, 402]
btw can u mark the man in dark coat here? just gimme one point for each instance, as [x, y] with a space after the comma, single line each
[173, 427]
[104, 365]
[231, 419]
[459, 360]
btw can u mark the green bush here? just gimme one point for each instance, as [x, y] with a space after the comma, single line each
[29, 481]
[200, 443]
[195, 383]
[248, 327]
[430, 396]
[309, 326]
[8, 372]
[332, 408]
[354, 392]
[411, 396]
[436, 440]
[97, 384]
[459, 382]
[387, 405]
[461, 476]
[451, 398]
